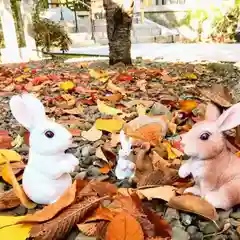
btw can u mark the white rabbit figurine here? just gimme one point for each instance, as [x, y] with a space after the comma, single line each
[125, 168]
[46, 176]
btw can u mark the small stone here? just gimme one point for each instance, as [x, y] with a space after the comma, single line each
[224, 214]
[233, 235]
[202, 225]
[81, 175]
[87, 160]
[86, 150]
[197, 236]
[1, 187]
[87, 125]
[94, 171]
[235, 215]
[171, 214]
[102, 178]
[73, 234]
[210, 228]
[98, 143]
[186, 219]
[20, 210]
[80, 236]
[77, 169]
[73, 174]
[219, 237]
[179, 234]
[234, 222]
[192, 229]
[31, 211]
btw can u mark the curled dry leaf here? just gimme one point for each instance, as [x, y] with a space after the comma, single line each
[124, 226]
[7, 178]
[116, 97]
[9, 155]
[53, 209]
[9, 200]
[17, 188]
[162, 192]
[102, 213]
[158, 162]
[194, 204]
[103, 108]
[61, 225]
[93, 134]
[114, 88]
[17, 167]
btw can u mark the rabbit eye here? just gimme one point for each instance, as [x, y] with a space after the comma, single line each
[205, 136]
[49, 134]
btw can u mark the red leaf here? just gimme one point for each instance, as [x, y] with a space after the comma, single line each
[74, 132]
[162, 228]
[124, 77]
[5, 141]
[26, 137]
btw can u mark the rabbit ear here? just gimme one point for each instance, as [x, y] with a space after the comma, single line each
[212, 112]
[230, 118]
[27, 109]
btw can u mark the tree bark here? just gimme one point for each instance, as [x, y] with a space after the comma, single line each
[119, 15]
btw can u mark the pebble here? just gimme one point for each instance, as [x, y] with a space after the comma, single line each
[219, 237]
[192, 229]
[81, 175]
[197, 236]
[98, 143]
[210, 228]
[77, 169]
[87, 160]
[87, 150]
[73, 174]
[232, 235]
[234, 222]
[20, 210]
[179, 234]
[94, 171]
[186, 219]
[1, 187]
[235, 215]
[171, 214]
[224, 214]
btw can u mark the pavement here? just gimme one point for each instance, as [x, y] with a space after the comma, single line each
[171, 52]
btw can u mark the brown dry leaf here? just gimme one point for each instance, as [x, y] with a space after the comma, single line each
[102, 213]
[168, 78]
[5, 141]
[26, 202]
[116, 97]
[141, 110]
[194, 204]
[158, 162]
[53, 209]
[9, 200]
[103, 188]
[161, 227]
[68, 101]
[163, 192]
[92, 134]
[61, 225]
[142, 85]
[124, 226]
[88, 229]
[114, 88]
[100, 154]
[115, 139]
[238, 229]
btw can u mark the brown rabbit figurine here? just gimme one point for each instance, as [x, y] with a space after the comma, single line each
[215, 169]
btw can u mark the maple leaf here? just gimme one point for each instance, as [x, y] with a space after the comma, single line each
[9, 200]
[61, 225]
[124, 226]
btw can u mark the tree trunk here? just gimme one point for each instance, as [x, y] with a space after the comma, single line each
[119, 15]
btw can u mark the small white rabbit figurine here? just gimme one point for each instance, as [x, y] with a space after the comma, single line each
[125, 168]
[46, 175]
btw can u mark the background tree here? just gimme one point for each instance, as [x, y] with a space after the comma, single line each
[119, 15]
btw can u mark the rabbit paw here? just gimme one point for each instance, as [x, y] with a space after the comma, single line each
[184, 171]
[194, 190]
[218, 200]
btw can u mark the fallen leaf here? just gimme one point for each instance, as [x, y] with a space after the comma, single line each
[109, 125]
[88, 229]
[102, 213]
[171, 154]
[141, 110]
[124, 226]
[114, 88]
[66, 86]
[18, 141]
[124, 77]
[187, 105]
[189, 76]
[158, 162]
[61, 225]
[162, 228]
[163, 192]
[5, 141]
[93, 134]
[74, 131]
[26, 202]
[142, 85]
[116, 97]
[146, 103]
[106, 168]
[13, 232]
[99, 74]
[10, 155]
[168, 78]
[17, 167]
[7, 177]
[9, 200]
[99, 154]
[103, 108]
[66, 101]
[194, 204]
[53, 209]
[115, 139]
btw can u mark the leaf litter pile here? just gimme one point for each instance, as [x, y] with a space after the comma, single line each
[153, 103]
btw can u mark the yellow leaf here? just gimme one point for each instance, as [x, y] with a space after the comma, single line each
[189, 76]
[109, 125]
[141, 110]
[171, 154]
[237, 154]
[6, 177]
[22, 77]
[114, 88]
[187, 105]
[92, 134]
[103, 108]
[14, 232]
[18, 141]
[26, 202]
[11, 155]
[26, 69]
[99, 74]
[66, 86]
